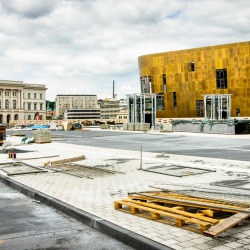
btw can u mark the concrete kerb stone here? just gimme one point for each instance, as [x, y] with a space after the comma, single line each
[121, 234]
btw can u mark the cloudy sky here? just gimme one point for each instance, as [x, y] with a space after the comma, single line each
[81, 46]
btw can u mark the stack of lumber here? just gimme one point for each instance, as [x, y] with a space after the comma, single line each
[198, 214]
[42, 136]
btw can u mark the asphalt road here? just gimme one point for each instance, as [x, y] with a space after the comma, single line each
[211, 147]
[28, 225]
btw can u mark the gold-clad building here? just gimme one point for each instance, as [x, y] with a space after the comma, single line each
[182, 78]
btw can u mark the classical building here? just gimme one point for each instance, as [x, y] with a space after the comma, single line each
[211, 82]
[67, 102]
[22, 101]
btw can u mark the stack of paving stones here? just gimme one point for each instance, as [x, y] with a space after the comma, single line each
[42, 136]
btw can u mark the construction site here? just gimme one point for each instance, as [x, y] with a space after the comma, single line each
[148, 190]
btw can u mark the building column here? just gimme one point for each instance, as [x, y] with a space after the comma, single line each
[3, 98]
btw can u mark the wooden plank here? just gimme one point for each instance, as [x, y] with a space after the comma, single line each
[227, 223]
[183, 202]
[154, 213]
[78, 158]
[194, 198]
[174, 210]
[170, 194]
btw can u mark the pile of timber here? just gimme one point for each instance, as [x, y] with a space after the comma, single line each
[208, 216]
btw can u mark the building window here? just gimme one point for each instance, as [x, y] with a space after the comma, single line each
[29, 117]
[160, 102]
[41, 106]
[35, 106]
[199, 108]
[7, 104]
[14, 104]
[34, 96]
[221, 78]
[29, 106]
[29, 95]
[174, 100]
[237, 112]
[164, 81]
[146, 84]
[41, 96]
[192, 66]
[0, 104]
[7, 93]
[14, 93]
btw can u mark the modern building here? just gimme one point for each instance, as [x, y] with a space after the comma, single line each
[67, 102]
[122, 115]
[211, 82]
[142, 108]
[22, 101]
[109, 108]
[82, 114]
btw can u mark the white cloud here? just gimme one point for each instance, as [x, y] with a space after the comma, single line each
[77, 46]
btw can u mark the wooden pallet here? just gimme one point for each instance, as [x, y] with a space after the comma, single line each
[157, 214]
[209, 216]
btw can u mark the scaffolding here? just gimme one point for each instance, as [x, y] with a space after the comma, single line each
[217, 107]
[142, 108]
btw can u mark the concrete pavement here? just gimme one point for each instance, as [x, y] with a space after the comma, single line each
[26, 223]
[96, 196]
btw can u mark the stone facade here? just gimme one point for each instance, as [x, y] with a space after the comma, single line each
[21, 101]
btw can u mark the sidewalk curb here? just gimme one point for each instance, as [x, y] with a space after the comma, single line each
[116, 232]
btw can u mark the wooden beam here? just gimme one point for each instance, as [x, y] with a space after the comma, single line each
[155, 214]
[227, 223]
[175, 211]
[183, 202]
[78, 158]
